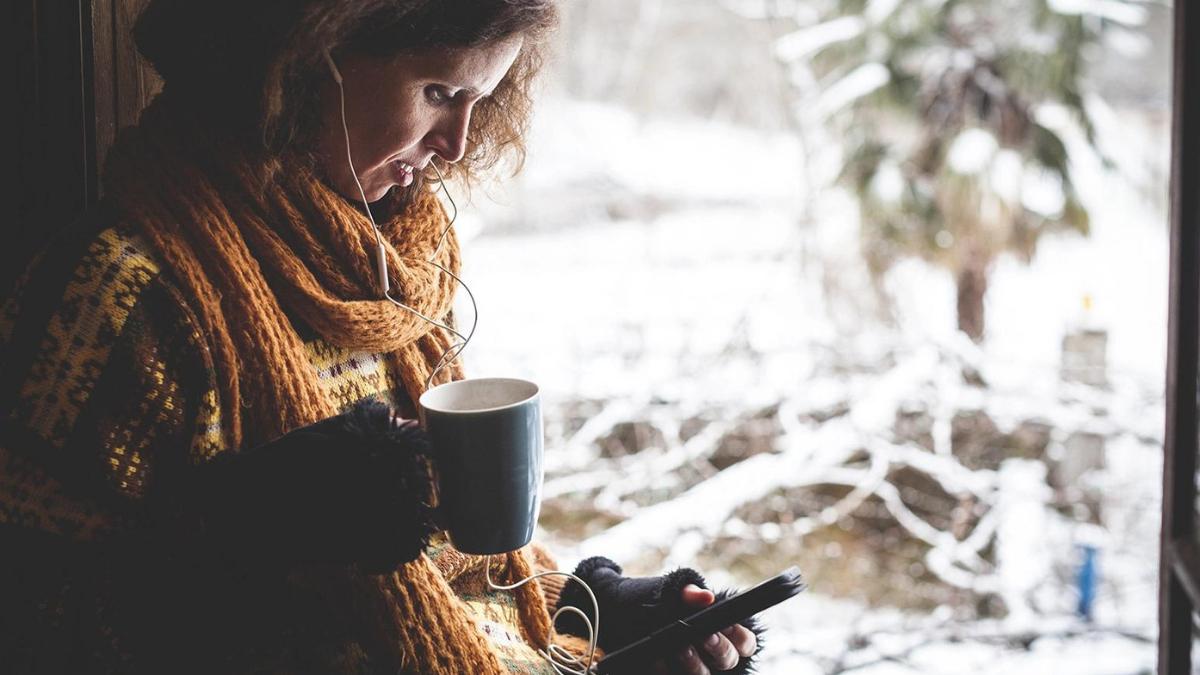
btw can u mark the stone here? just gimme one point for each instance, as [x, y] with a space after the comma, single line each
[824, 414]
[691, 427]
[1030, 440]
[975, 440]
[1084, 357]
[914, 426]
[628, 438]
[924, 496]
[1083, 451]
[749, 438]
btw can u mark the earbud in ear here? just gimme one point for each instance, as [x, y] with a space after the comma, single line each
[333, 69]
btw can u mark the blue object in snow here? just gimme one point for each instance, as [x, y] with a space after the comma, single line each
[1087, 580]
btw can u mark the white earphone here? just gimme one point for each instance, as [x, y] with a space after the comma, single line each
[337, 75]
[381, 270]
[554, 654]
[381, 267]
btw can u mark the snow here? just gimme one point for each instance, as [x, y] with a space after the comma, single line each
[812, 39]
[888, 184]
[972, 151]
[1042, 192]
[877, 11]
[1007, 174]
[810, 635]
[860, 82]
[707, 161]
[1024, 562]
[1126, 13]
[1127, 43]
[727, 299]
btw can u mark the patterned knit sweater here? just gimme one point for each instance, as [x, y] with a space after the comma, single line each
[108, 398]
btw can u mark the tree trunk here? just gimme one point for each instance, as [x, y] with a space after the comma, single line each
[971, 284]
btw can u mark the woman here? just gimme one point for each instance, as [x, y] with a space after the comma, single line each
[203, 464]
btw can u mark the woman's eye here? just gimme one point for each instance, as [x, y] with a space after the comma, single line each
[437, 95]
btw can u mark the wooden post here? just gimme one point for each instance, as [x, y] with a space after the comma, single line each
[51, 138]
[74, 73]
[1177, 569]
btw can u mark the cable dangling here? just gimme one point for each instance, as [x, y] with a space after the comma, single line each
[552, 653]
[453, 351]
[571, 665]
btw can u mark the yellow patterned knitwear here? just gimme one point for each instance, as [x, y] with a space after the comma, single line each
[109, 392]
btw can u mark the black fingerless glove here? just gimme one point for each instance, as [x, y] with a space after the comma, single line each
[633, 607]
[354, 488]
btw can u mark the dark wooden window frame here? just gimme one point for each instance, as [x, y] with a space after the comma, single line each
[1179, 562]
[76, 78]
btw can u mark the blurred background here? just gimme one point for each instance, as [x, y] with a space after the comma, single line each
[873, 287]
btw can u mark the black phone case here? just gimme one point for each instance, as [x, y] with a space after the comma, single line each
[715, 617]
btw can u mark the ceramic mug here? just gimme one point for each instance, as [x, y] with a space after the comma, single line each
[487, 443]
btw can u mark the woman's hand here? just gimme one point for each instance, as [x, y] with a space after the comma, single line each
[352, 488]
[718, 652]
[634, 607]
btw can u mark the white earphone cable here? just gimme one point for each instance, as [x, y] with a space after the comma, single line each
[572, 665]
[455, 349]
[563, 662]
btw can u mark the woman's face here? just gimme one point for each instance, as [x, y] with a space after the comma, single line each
[403, 110]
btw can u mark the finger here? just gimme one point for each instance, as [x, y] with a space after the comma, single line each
[689, 659]
[742, 638]
[720, 651]
[695, 596]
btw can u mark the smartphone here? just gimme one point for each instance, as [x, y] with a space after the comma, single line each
[694, 628]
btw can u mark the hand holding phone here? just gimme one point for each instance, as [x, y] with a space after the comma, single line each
[720, 652]
[731, 611]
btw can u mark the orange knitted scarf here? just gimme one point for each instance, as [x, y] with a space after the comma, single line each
[252, 243]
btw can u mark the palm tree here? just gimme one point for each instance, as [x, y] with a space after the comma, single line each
[940, 105]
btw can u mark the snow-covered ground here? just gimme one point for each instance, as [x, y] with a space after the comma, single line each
[814, 636]
[682, 284]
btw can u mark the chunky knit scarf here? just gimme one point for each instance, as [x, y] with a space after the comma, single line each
[253, 244]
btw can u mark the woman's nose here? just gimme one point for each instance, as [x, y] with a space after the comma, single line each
[448, 139]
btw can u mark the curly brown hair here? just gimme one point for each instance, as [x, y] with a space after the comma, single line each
[252, 69]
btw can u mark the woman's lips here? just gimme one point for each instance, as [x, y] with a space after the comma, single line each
[403, 172]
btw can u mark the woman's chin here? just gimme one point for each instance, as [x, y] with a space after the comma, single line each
[373, 193]
[376, 192]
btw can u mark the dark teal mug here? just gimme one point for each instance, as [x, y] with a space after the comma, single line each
[487, 444]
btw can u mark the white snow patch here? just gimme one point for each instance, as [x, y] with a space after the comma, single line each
[1125, 13]
[858, 83]
[877, 11]
[1007, 173]
[1023, 559]
[972, 151]
[1042, 192]
[808, 41]
[888, 183]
